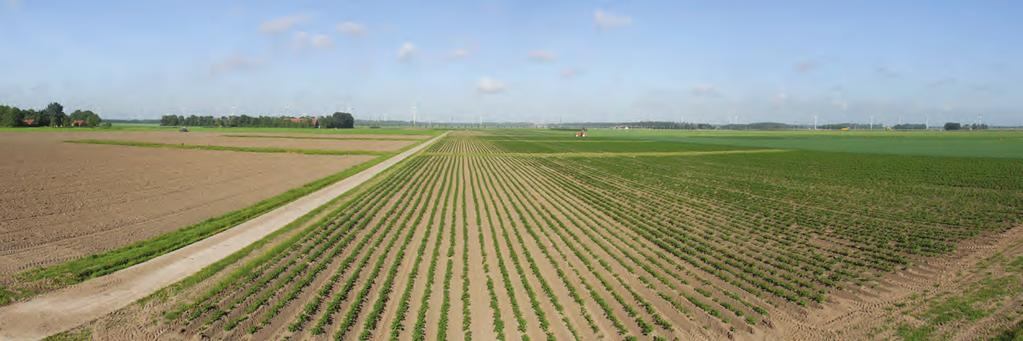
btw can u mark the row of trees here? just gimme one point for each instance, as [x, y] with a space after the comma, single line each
[337, 120]
[640, 124]
[960, 126]
[52, 116]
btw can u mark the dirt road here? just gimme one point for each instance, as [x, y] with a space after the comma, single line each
[65, 309]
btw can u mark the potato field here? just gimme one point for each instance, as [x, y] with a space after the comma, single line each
[519, 235]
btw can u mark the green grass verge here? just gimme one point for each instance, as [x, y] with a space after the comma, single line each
[1013, 334]
[227, 148]
[71, 335]
[101, 264]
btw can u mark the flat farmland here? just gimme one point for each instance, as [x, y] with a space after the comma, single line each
[355, 143]
[63, 201]
[485, 237]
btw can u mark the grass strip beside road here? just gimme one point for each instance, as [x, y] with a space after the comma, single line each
[228, 148]
[81, 269]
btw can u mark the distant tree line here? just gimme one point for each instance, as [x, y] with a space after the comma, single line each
[639, 124]
[337, 120]
[850, 125]
[910, 126]
[960, 126]
[758, 126]
[134, 121]
[52, 116]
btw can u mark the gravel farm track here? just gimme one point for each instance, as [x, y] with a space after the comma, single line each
[57, 311]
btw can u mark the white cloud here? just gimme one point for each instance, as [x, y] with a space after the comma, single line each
[351, 28]
[542, 56]
[605, 19]
[322, 41]
[303, 39]
[406, 51]
[704, 90]
[281, 24]
[570, 73]
[458, 53]
[489, 85]
[233, 63]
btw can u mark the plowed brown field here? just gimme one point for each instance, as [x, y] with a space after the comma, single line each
[62, 201]
[243, 140]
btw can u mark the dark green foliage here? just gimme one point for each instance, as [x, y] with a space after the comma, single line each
[85, 118]
[339, 120]
[11, 116]
[52, 116]
[238, 121]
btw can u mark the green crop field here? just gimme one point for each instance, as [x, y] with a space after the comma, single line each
[999, 144]
[526, 234]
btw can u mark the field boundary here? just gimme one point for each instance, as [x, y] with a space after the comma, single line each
[227, 148]
[614, 154]
[67, 308]
[338, 138]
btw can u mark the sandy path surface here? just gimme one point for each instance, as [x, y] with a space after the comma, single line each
[65, 309]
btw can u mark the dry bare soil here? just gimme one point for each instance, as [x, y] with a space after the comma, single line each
[62, 201]
[316, 142]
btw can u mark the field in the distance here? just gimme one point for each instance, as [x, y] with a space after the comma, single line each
[535, 234]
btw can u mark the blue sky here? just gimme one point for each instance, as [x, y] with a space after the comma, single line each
[539, 61]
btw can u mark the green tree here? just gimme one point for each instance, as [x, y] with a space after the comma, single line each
[338, 120]
[53, 115]
[10, 116]
[953, 126]
[90, 118]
